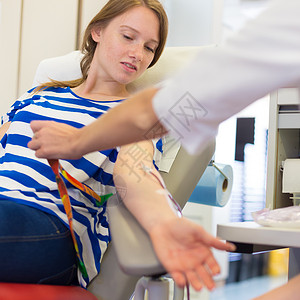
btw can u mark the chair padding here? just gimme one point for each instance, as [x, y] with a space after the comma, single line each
[67, 67]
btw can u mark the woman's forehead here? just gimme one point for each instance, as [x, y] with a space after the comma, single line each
[140, 19]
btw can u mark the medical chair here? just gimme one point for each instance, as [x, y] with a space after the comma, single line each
[130, 254]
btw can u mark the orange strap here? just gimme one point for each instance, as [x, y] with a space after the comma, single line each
[63, 192]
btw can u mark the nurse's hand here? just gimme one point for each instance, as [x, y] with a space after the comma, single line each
[184, 249]
[54, 140]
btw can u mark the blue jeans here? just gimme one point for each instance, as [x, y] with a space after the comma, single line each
[35, 247]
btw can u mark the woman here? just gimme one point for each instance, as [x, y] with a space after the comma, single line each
[119, 45]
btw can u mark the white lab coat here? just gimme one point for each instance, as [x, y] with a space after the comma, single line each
[221, 81]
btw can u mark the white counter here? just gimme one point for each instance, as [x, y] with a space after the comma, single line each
[249, 237]
[253, 233]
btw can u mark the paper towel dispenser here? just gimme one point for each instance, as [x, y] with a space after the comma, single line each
[283, 143]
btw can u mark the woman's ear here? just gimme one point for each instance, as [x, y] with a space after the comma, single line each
[95, 32]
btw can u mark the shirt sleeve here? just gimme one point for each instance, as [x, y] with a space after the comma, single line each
[221, 81]
[165, 152]
[21, 102]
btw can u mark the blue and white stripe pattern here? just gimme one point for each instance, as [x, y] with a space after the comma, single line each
[30, 181]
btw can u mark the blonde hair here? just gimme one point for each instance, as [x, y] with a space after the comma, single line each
[112, 9]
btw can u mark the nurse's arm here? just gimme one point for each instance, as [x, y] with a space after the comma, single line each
[131, 121]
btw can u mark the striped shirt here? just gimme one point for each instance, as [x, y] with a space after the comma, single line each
[29, 180]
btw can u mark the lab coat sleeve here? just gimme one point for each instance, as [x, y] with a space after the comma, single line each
[221, 81]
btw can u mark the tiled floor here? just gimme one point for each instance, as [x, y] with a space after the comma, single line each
[247, 289]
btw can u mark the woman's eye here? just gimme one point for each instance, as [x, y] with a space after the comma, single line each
[150, 49]
[127, 37]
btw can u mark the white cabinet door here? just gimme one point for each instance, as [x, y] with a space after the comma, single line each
[49, 28]
[89, 8]
[10, 19]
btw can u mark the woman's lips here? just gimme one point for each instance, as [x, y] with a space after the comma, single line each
[129, 66]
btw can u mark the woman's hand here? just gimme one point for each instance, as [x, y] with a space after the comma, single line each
[54, 140]
[184, 249]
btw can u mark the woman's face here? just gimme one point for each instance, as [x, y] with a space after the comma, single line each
[126, 46]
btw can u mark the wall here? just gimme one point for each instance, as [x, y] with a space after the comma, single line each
[194, 22]
[9, 50]
[45, 33]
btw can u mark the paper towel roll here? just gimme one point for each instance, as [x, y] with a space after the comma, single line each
[291, 176]
[213, 188]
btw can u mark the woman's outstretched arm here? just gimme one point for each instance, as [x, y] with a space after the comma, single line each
[183, 247]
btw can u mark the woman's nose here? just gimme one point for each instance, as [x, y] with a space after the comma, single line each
[136, 52]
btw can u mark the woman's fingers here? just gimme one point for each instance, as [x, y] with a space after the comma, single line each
[179, 279]
[212, 265]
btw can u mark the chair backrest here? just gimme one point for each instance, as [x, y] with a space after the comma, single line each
[131, 255]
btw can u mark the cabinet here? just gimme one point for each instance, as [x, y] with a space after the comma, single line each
[31, 30]
[88, 9]
[45, 33]
[9, 50]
